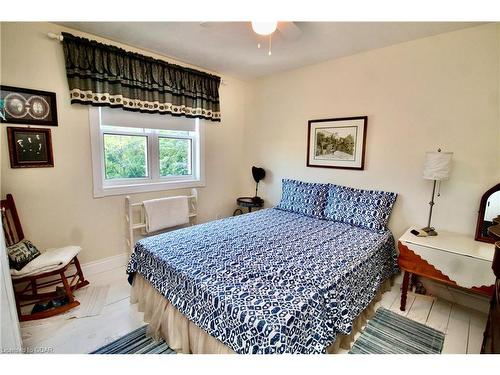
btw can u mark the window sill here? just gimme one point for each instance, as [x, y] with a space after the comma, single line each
[100, 192]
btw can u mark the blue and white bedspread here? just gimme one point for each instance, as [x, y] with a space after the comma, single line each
[270, 281]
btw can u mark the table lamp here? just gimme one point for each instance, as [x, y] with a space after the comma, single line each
[258, 174]
[437, 167]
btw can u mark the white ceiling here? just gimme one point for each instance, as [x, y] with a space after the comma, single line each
[231, 47]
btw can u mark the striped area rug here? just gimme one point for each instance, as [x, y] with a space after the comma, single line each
[135, 342]
[390, 333]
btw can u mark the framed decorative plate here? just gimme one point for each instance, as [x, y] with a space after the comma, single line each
[28, 107]
[337, 142]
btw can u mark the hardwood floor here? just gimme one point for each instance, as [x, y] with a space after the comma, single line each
[463, 327]
[86, 334]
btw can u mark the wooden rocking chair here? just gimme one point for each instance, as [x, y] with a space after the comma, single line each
[27, 284]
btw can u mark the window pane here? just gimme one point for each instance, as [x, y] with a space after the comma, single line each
[109, 128]
[174, 132]
[175, 156]
[125, 156]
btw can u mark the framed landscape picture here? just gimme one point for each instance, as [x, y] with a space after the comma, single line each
[337, 142]
[30, 147]
[28, 107]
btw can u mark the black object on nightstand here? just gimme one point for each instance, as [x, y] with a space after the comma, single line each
[251, 202]
[248, 202]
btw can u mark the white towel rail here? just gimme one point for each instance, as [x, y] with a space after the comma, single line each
[133, 226]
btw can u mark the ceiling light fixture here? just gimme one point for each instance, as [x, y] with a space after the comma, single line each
[265, 29]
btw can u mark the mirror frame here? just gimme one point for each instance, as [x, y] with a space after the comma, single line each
[482, 208]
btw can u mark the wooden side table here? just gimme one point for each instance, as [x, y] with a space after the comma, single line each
[451, 258]
[247, 202]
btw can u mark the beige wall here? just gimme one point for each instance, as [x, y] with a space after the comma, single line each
[440, 91]
[56, 205]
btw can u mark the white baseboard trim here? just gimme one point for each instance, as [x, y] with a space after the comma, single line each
[97, 266]
[105, 264]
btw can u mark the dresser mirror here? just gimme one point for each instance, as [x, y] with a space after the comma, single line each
[489, 214]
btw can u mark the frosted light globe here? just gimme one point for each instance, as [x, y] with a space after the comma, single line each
[264, 28]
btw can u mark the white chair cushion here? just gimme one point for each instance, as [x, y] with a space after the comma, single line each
[49, 260]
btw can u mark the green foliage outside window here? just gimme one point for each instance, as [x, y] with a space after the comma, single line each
[174, 156]
[125, 156]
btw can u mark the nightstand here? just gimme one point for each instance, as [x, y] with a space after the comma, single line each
[450, 258]
[247, 202]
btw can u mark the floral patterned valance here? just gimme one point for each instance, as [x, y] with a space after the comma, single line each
[104, 75]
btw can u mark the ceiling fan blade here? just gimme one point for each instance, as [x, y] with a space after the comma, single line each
[289, 30]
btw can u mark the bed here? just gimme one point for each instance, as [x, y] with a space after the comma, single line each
[271, 281]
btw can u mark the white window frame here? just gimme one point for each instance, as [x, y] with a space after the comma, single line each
[154, 182]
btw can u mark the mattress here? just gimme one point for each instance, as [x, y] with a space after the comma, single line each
[269, 281]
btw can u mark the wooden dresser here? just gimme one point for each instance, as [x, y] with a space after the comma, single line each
[491, 342]
[450, 258]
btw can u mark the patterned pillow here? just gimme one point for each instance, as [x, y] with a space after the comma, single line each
[21, 253]
[303, 198]
[369, 209]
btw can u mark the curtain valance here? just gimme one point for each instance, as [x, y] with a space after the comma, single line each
[104, 75]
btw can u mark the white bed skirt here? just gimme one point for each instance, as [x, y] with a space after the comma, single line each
[184, 336]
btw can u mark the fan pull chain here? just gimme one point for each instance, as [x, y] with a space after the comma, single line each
[270, 44]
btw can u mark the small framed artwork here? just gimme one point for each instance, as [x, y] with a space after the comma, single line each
[30, 147]
[337, 143]
[28, 107]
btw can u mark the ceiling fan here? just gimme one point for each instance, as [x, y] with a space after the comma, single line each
[288, 30]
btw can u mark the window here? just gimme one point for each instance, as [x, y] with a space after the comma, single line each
[134, 152]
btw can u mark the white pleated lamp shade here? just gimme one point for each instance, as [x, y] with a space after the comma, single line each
[437, 165]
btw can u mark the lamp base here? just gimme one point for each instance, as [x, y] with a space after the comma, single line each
[430, 231]
[258, 200]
